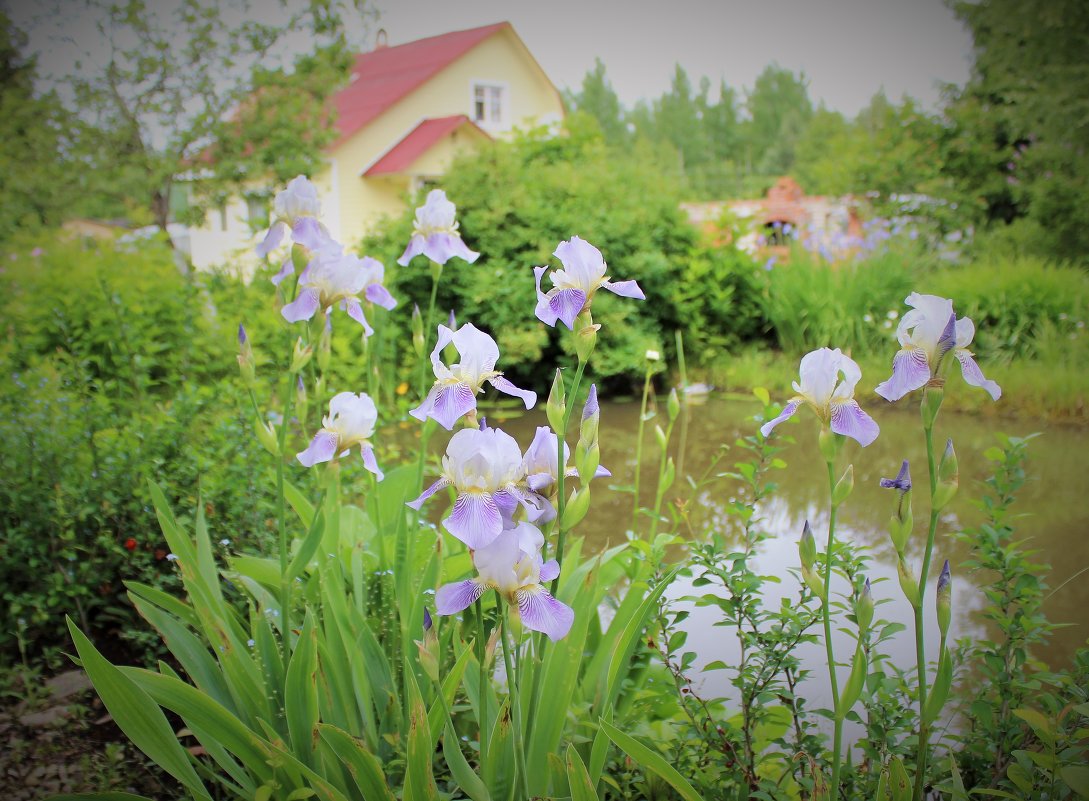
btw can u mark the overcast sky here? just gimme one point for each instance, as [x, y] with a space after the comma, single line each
[848, 49]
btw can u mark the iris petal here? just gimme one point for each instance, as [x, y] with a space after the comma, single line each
[974, 376]
[849, 419]
[475, 519]
[910, 370]
[541, 612]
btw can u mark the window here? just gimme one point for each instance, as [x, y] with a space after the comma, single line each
[489, 104]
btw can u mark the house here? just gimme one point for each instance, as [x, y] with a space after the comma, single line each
[406, 112]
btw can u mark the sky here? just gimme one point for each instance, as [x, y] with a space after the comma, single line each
[848, 49]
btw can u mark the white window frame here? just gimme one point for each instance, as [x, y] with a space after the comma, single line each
[487, 122]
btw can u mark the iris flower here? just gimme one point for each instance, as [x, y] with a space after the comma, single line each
[350, 422]
[296, 209]
[512, 565]
[574, 286]
[828, 380]
[541, 475]
[927, 333]
[454, 393]
[332, 278]
[485, 468]
[435, 233]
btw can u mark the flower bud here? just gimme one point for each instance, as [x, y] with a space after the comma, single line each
[844, 486]
[864, 608]
[829, 444]
[813, 580]
[673, 405]
[660, 437]
[908, 583]
[653, 356]
[855, 682]
[591, 416]
[325, 344]
[556, 407]
[948, 477]
[668, 476]
[245, 359]
[577, 507]
[807, 547]
[429, 648]
[452, 321]
[301, 400]
[266, 435]
[585, 336]
[931, 403]
[944, 599]
[587, 460]
[489, 646]
[301, 356]
[901, 522]
[417, 331]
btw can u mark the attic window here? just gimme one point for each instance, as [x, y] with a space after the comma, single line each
[489, 104]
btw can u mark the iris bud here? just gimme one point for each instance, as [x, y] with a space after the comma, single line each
[864, 608]
[829, 444]
[807, 547]
[908, 583]
[301, 400]
[301, 356]
[668, 476]
[660, 437]
[417, 332]
[931, 403]
[577, 507]
[266, 435]
[591, 416]
[587, 460]
[556, 407]
[844, 486]
[673, 405]
[585, 336]
[325, 344]
[948, 477]
[944, 599]
[245, 359]
[901, 522]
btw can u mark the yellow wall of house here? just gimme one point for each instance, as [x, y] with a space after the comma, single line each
[501, 59]
[351, 204]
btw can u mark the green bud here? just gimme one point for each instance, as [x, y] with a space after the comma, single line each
[853, 689]
[577, 507]
[587, 460]
[556, 406]
[830, 444]
[901, 524]
[660, 437]
[319, 386]
[931, 403]
[591, 417]
[585, 336]
[844, 486]
[325, 344]
[301, 400]
[301, 356]
[266, 435]
[944, 599]
[807, 547]
[864, 608]
[948, 477]
[245, 359]
[813, 580]
[673, 405]
[668, 476]
[489, 646]
[908, 583]
[417, 332]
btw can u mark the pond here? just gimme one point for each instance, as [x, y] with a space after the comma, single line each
[1053, 509]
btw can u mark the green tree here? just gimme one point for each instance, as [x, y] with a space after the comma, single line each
[199, 89]
[779, 110]
[599, 99]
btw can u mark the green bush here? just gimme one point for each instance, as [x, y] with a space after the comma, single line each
[517, 201]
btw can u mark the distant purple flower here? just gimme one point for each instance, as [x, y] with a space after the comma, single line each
[296, 210]
[435, 233]
[770, 263]
[485, 467]
[454, 393]
[350, 422]
[926, 334]
[339, 278]
[574, 286]
[828, 379]
[512, 565]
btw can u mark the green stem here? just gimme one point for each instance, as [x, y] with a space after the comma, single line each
[639, 449]
[425, 433]
[920, 646]
[281, 511]
[659, 493]
[482, 652]
[826, 614]
[516, 707]
[561, 499]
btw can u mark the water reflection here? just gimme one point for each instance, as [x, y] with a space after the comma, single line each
[1052, 509]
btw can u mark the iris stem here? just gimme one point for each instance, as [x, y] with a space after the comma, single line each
[561, 436]
[826, 614]
[516, 706]
[482, 652]
[281, 513]
[920, 645]
[425, 433]
[639, 449]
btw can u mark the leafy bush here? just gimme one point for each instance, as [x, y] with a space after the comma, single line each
[518, 200]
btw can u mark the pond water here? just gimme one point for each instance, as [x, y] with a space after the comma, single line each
[1053, 507]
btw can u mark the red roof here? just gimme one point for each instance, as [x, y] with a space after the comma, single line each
[382, 77]
[419, 140]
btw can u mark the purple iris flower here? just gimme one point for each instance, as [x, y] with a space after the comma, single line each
[435, 233]
[296, 210]
[512, 565]
[541, 474]
[926, 334]
[454, 393]
[485, 467]
[828, 379]
[334, 277]
[350, 422]
[574, 286]
[902, 482]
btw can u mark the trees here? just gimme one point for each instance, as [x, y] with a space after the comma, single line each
[206, 90]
